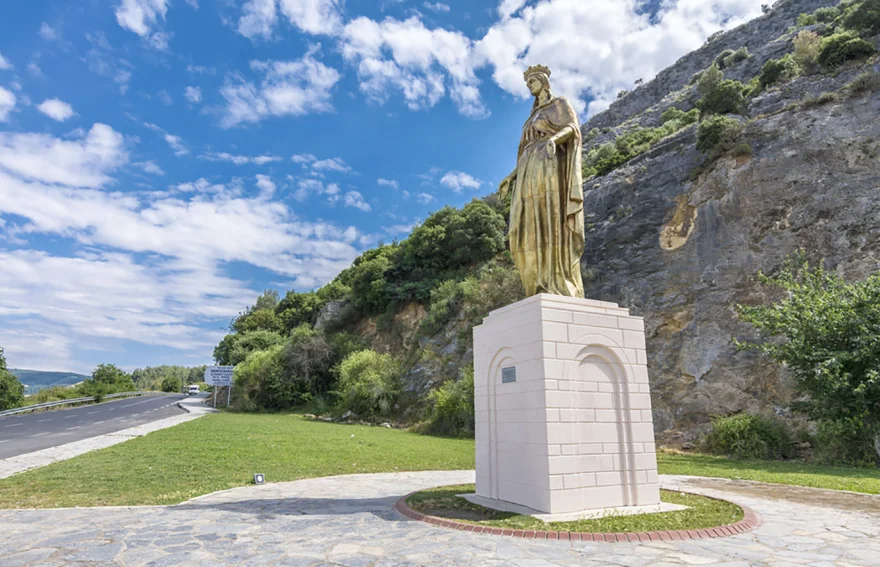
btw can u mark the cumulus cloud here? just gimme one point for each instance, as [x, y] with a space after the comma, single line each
[425, 198]
[47, 32]
[193, 94]
[83, 161]
[388, 183]
[149, 166]
[56, 109]
[356, 200]
[140, 16]
[315, 17]
[420, 63]
[5, 65]
[296, 88]
[333, 164]
[457, 181]
[176, 142]
[7, 103]
[239, 159]
[436, 6]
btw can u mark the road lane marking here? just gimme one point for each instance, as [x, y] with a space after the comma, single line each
[41, 420]
[13, 425]
[4, 441]
[98, 423]
[91, 412]
[136, 403]
[72, 428]
[68, 416]
[41, 434]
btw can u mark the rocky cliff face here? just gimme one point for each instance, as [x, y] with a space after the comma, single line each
[680, 244]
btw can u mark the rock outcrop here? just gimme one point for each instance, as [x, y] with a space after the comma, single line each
[679, 241]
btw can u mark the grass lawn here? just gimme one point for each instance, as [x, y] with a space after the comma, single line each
[224, 450]
[701, 513]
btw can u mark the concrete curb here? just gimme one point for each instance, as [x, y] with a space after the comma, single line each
[749, 522]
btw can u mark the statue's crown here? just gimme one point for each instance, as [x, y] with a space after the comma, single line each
[536, 70]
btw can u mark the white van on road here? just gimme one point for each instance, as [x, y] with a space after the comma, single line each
[192, 390]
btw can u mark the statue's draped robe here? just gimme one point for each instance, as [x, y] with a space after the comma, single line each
[546, 211]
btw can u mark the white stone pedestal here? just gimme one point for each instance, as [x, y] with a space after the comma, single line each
[563, 407]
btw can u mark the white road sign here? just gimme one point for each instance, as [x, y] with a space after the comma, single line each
[218, 375]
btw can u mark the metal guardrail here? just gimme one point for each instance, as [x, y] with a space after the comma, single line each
[73, 401]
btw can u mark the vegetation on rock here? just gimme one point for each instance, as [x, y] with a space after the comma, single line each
[11, 390]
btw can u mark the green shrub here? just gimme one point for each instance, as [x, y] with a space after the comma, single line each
[742, 149]
[863, 18]
[778, 70]
[826, 15]
[261, 382]
[806, 20]
[718, 134]
[823, 98]
[11, 390]
[683, 118]
[452, 407]
[748, 436]
[244, 344]
[807, 47]
[728, 58]
[720, 95]
[172, 384]
[865, 83]
[841, 48]
[826, 333]
[369, 384]
[844, 442]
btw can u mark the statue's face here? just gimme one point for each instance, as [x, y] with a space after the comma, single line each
[535, 85]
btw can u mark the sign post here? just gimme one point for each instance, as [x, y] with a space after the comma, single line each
[220, 376]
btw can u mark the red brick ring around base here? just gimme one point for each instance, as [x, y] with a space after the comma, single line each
[749, 522]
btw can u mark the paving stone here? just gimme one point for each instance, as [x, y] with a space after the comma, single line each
[351, 524]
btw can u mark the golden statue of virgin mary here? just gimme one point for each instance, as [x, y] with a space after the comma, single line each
[547, 204]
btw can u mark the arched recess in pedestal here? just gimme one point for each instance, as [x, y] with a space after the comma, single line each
[502, 358]
[600, 357]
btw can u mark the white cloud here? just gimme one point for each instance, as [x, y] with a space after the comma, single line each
[332, 164]
[239, 159]
[140, 16]
[388, 183]
[317, 17]
[296, 88]
[176, 143]
[408, 57]
[150, 167]
[47, 32]
[5, 65]
[102, 61]
[425, 198]
[83, 161]
[56, 109]
[303, 158]
[436, 6]
[165, 97]
[356, 200]
[7, 103]
[596, 48]
[34, 69]
[266, 185]
[457, 181]
[193, 94]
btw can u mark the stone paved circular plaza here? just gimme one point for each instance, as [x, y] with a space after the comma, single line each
[350, 521]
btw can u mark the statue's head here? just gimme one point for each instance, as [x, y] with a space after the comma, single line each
[537, 79]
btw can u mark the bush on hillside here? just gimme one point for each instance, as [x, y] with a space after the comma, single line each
[106, 379]
[748, 436]
[826, 333]
[307, 357]
[262, 384]
[172, 384]
[868, 82]
[253, 341]
[844, 442]
[843, 47]
[863, 18]
[778, 71]
[369, 384]
[452, 407]
[720, 95]
[728, 58]
[718, 134]
[826, 15]
[807, 47]
[682, 117]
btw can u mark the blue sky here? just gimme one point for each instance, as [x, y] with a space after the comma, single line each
[163, 161]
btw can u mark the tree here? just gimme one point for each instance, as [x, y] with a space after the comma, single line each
[369, 384]
[172, 383]
[11, 389]
[223, 351]
[112, 375]
[827, 333]
[257, 320]
[250, 342]
[306, 357]
[298, 308]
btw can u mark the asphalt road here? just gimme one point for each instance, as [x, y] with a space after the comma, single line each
[20, 434]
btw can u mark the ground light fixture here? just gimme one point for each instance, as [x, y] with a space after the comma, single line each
[259, 478]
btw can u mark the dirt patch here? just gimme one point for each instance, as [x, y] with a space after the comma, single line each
[850, 501]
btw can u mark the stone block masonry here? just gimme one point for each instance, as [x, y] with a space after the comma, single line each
[563, 407]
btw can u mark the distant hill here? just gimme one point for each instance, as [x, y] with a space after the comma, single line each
[36, 380]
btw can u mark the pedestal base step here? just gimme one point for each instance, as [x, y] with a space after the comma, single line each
[571, 516]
